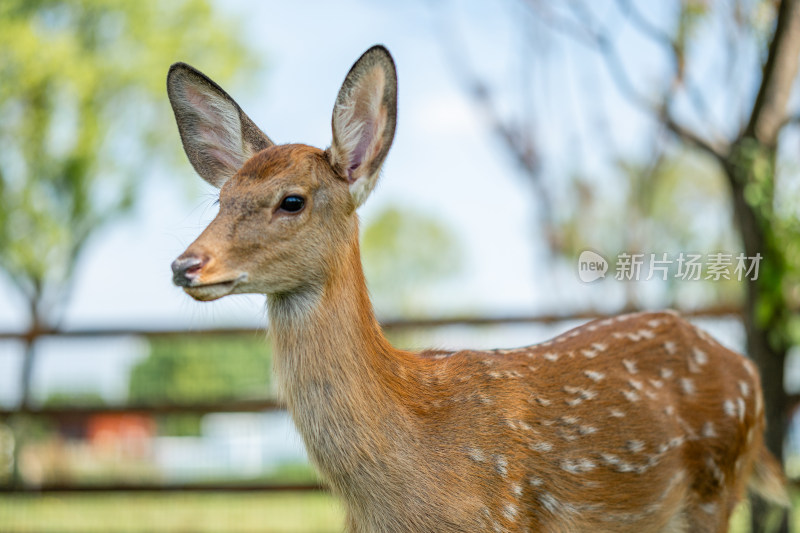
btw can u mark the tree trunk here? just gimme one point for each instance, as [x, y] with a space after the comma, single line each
[766, 342]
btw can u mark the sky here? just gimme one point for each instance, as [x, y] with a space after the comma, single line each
[444, 161]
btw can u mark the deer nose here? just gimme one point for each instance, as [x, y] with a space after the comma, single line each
[185, 269]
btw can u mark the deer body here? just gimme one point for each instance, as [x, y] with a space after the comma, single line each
[640, 423]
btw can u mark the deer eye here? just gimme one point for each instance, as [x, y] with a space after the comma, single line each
[292, 203]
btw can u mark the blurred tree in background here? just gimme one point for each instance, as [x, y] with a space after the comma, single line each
[405, 253]
[184, 370]
[82, 106]
[202, 369]
[713, 83]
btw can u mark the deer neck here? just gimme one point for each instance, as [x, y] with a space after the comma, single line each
[332, 361]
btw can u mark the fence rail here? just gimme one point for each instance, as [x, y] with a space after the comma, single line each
[391, 324]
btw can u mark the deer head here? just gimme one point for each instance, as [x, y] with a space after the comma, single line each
[285, 211]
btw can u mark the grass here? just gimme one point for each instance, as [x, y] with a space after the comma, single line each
[171, 513]
[195, 513]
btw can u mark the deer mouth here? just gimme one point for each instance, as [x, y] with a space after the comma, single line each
[206, 292]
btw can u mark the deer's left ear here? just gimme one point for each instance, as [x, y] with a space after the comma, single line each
[364, 119]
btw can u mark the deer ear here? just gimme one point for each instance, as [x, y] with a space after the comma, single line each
[364, 119]
[217, 136]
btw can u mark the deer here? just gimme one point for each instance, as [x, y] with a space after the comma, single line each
[636, 423]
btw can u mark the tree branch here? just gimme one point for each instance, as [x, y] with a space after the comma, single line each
[519, 145]
[599, 41]
[779, 72]
[716, 150]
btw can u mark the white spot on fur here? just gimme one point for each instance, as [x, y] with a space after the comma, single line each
[616, 413]
[729, 407]
[718, 474]
[516, 489]
[709, 431]
[610, 458]
[541, 446]
[635, 384]
[535, 481]
[579, 466]
[594, 375]
[687, 385]
[550, 356]
[542, 401]
[630, 366]
[556, 507]
[635, 446]
[666, 373]
[744, 388]
[583, 394]
[624, 466]
[476, 455]
[630, 395]
[510, 511]
[709, 508]
[671, 347]
[657, 383]
[549, 502]
[741, 408]
[676, 442]
[700, 356]
[569, 420]
[501, 465]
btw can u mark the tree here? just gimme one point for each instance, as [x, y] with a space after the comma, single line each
[201, 369]
[404, 253]
[81, 106]
[183, 370]
[718, 83]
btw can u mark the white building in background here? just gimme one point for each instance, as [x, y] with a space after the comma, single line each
[232, 445]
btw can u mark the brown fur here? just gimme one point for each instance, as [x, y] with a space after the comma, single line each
[641, 423]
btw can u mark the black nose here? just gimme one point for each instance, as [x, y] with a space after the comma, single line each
[185, 269]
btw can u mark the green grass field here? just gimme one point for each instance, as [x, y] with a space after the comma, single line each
[192, 513]
[171, 513]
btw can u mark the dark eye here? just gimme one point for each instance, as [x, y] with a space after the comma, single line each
[293, 203]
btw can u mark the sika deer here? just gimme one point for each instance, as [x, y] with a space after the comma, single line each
[641, 423]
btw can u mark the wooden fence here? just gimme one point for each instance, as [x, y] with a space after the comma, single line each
[73, 414]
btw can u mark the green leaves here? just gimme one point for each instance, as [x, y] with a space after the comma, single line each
[404, 252]
[202, 369]
[82, 102]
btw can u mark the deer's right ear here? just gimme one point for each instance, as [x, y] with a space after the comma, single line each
[217, 136]
[364, 119]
